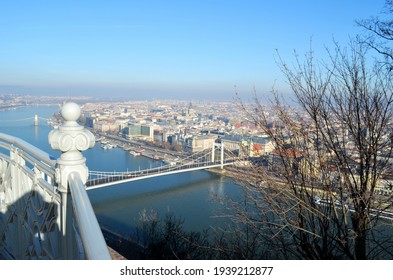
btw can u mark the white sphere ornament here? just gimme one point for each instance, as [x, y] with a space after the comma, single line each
[71, 111]
[70, 136]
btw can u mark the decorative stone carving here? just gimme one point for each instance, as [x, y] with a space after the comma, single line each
[71, 139]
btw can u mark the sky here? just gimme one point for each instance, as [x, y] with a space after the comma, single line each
[145, 49]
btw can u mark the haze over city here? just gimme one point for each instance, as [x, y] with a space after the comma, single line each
[165, 49]
[206, 131]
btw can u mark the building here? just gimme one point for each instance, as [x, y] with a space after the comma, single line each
[140, 131]
[159, 136]
[200, 143]
[89, 121]
[106, 126]
[172, 139]
[247, 145]
[134, 130]
[148, 131]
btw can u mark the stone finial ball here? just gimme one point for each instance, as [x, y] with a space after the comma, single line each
[71, 111]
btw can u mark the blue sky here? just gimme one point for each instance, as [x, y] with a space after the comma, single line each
[164, 49]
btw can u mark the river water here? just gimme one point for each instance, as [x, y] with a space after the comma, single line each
[191, 196]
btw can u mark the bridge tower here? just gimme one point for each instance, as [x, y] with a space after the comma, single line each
[222, 155]
[221, 146]
[35, 120]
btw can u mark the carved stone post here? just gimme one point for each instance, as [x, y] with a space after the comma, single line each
[71, 139]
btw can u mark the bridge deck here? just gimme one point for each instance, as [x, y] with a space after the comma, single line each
[145, 174]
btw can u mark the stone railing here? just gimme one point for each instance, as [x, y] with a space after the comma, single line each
[45, 212]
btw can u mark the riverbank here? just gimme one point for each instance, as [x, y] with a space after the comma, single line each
[121, 246]
[227, 171]
[143, 149]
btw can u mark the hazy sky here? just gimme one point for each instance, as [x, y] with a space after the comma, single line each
[164, 49]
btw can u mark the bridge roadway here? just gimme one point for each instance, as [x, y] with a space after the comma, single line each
[118, 178]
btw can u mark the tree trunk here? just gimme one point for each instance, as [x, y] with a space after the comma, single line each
[360, 227]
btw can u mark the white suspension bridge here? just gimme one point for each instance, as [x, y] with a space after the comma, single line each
[217, 157]
[35, 120]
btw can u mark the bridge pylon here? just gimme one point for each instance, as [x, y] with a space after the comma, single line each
[35, 120]
[221, 147]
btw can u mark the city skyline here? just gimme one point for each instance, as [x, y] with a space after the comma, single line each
[161, 50]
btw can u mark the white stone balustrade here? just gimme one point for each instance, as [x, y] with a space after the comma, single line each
[45, 212]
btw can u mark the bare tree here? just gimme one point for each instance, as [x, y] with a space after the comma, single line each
[317, 195]
[379, 33]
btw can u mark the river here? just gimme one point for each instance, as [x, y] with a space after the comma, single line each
[191, 196]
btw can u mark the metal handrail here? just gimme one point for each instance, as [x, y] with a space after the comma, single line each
[92, 239]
